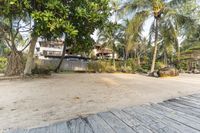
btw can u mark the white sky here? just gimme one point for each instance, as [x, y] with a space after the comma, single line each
[146, 26]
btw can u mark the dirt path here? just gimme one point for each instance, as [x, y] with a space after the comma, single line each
[39, 102]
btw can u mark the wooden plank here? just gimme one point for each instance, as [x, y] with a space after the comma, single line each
[117, 125]
[42, 130]
[79, 126]
[181, 108]
[98, 125]
[187, 121]
[175, 103]
[59, 128]
[17, 131]
[52, 128]
[194, 97]
[131, 121]
[190, 100]
[32, 130]
[179, 127]
[171, 109]
[150, 122]
[187, 103]
[62, 128]
[162, 127]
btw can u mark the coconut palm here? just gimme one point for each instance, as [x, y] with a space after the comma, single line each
[133, 38]
[109, 36]
[162, 11]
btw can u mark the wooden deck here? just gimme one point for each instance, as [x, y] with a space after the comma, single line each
[180, 115]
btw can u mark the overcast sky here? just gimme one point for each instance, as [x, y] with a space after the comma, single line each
[146, 26]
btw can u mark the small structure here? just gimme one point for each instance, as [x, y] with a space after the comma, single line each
[100, 52]
[50, 49]
[49, 53]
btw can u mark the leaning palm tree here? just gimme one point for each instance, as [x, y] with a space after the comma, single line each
[161, 11]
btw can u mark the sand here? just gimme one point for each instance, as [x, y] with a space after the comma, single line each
[43, 101]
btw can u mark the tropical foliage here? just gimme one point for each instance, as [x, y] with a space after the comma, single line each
[173, 28]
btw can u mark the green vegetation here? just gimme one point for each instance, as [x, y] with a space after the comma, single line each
[173, 39]
[3, 62]
[102, 66]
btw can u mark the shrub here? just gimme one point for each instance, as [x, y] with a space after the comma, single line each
[159, 65]
[183, 65]
[101, 66]
[41, 71]
[141, 70]
[110, 69]
[127, 69]
[3, 64]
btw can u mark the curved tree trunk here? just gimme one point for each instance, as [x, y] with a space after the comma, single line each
[155, 47]
[63, 55]
[29, 62]
[15, 64]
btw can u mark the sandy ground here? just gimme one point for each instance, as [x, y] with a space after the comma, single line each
[39, 102]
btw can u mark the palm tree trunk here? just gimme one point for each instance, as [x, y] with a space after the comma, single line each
[63, 55]
[178, 54]
[138, 60]
[165, 58]
[155, 47]
[29, 62]
[113, 55]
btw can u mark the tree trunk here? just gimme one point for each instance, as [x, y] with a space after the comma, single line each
[15, 64]
[113, 58]
[155, 47]
[63, 55]
[165, 58]
[113, 55]
[138, 60]
[29, 62]
[178, 55]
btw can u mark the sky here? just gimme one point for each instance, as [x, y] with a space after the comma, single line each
[146, 26]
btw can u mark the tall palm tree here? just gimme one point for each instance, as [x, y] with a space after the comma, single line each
[161, 11]
[109, 37]
[133, 32]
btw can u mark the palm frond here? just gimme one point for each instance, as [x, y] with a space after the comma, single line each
[134, 29]
[135, 5]
[175, 3]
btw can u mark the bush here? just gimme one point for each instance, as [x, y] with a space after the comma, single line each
[41, 71]
[141, 70]
[183, 65]
[127, 69]
[160, 65]
[101, 66]
[3, 64]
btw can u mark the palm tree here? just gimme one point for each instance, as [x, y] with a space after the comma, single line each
[133, 38]
[162, 11]
[109, 37]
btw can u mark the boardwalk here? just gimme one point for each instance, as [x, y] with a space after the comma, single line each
[180, 115]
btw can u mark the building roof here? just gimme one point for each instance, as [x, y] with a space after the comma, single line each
[46, 43]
